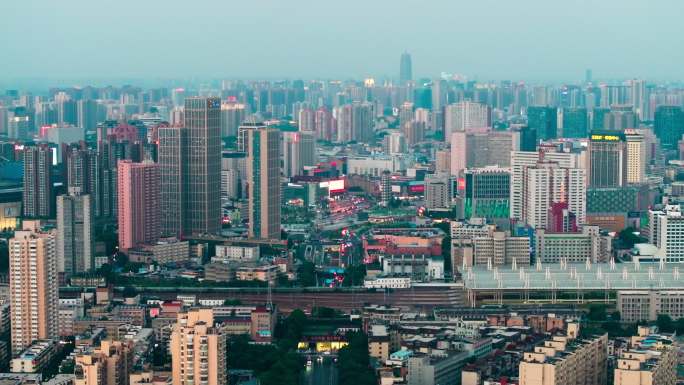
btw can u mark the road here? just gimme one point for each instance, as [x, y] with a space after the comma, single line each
[320, 373]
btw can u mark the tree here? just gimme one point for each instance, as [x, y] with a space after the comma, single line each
[679, 326]
[306, 274]
[354, 362]
[628, 238]
[597, 312]
[615, 316]
[354, 275]
[665, 324]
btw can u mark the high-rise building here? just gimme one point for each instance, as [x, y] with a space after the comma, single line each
[138, 195]
[437, 192]
[190, 170]
[482, 148]
[486, 193]
[547, 183]
[74, 233]
[386, 187]
[263, 181]
[33, 284]
[203, 158]
[198, 350]
[465, 116]
[110, 364]
[521, 160]
[544, 120]
[87, 114]
[394, 143]
[666, 229]
[669, 125]
[172, 166]
[575, 122]
[405, 68]
[232, 116]
[299, 150]
[636, 157]
[355, 122]
[306, 120]
[566, 360]
[607, 159]
[324, 124]
[37, 197]
[620, 117]
[640, 96]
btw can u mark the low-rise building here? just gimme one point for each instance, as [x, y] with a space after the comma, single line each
[650, 360]
[387, 283]
[566, 360]
[646, 305]
[36, 357]
[260, 273]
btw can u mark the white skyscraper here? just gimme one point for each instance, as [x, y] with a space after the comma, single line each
[548, 183]
[33, 285]
[520, 161]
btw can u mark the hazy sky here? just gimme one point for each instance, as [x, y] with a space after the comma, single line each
[483, 39]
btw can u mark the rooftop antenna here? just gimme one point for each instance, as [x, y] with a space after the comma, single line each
[612, 263]
[539, 264]
[514, 265]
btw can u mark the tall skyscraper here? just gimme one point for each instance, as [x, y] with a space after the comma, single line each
[232, 116]
[465, 116]
[544, 120]
[190, 170]
[138, 194]
[405, 68]
[203, 184]
[74, 233]
[669, 125]
[33, 284]
[636, 157]
[171, 174]
[521, 161]
[87, 114]
[263, 180]
[607, 159]
[299, 150]
[198, 350]
[547, 183]
[37, 197]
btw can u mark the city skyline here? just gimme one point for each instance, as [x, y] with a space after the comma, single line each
[591, 36]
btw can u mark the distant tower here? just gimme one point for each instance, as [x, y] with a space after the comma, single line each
[37, 181]
[263, 180]
[587, 76]
[386, 187]
[405, 70]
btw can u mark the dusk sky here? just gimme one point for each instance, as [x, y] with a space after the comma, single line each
[534, 40]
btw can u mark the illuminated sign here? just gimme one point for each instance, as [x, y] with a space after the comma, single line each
[333, 185]
[610, 138]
